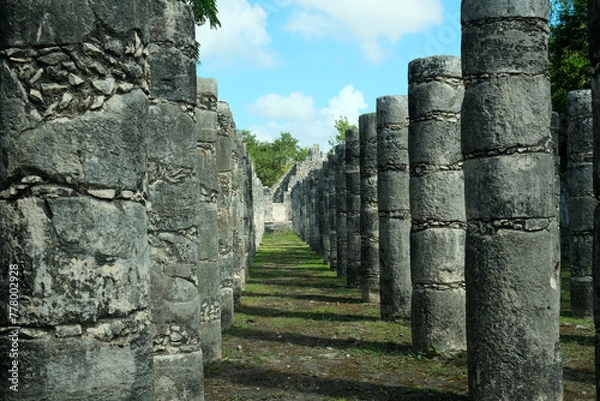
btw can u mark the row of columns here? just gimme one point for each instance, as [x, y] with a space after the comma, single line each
[129, 209]
[468, 196]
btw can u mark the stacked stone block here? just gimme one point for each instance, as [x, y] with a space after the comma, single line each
[369, 215]
[332, 210]
[512, 266]
[225, 210]
[581, 201]
[73, 130]
[352, 171]
[394, 207]
[437, 205]
[341, 222]
[594, 49]
[324, 212]
[173, 203]
[208, 249]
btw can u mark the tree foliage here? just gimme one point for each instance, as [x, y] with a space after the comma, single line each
[341, 125]
[568, 50]
[272, 159]
[203, 10]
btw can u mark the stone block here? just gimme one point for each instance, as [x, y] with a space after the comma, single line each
[513, 186]
[438, 320]
[437, 256]
[179, 376]
[473, 10]
[392, 189]
[173, 74]
[438, 196]
[428, 98]
[439, 142]
[82, 368]
[513, 112]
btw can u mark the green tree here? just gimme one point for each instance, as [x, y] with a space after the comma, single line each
[341, 125]
[204, 10]
[568, 50]
[272, 159]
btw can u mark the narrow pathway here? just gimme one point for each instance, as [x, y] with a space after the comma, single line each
[300, 334]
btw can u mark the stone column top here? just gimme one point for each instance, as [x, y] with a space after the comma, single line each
[489, 9]
[392, 109]
[434, 67]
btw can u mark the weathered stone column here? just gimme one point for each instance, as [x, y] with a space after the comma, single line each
[238, 199]
[512, 266]
[209, 284]
[225, 211]
[353, 207]
[332, 210]
[73, 232]
[594, 48]
[341, 221]
[437, 204]
[369, 215]
[393, 206]
[173, 203]
[325, 209]
[580, 149]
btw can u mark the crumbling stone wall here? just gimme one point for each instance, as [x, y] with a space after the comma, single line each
[512, 266]
[437, 205]
[73, 129]
[394, 207]
[369, 215]
[173, 203]
[208, 250]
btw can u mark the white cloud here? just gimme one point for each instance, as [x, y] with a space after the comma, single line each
[296, 106]
[296, 114]
[367, 22]
[242, 36]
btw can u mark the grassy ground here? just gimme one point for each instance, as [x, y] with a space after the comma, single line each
[300, 334]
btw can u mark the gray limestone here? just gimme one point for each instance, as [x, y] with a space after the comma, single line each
[208, 250]
[225, 209]
[332, 211]
[173, 204]
[325, 210]
[512, 265]
[369, 215]
[352, 170]
[437, 205]
[594, 48]
[581, 201]
[72, 216]
[394, 207]
[341, 221]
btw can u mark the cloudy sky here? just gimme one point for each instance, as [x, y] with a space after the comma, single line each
[298, 65]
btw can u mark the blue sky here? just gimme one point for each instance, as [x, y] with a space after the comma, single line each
[297, 65]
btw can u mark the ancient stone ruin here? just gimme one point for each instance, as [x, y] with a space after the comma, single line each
[130, 212]
[437, 205]
[109, 202]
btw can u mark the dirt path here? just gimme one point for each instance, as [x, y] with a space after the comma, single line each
[300, 334]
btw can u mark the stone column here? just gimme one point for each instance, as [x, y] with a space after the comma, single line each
[394, 208]
[73, 238]
[237, 200]
[208, 251]
[225, 212]
[512, 266]
[437, 204]
[325, 208]
[341, 221]
[353, 207]
[580, 149]
[369, 215]
[173, 203]
[594, 48]
[332, 211]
